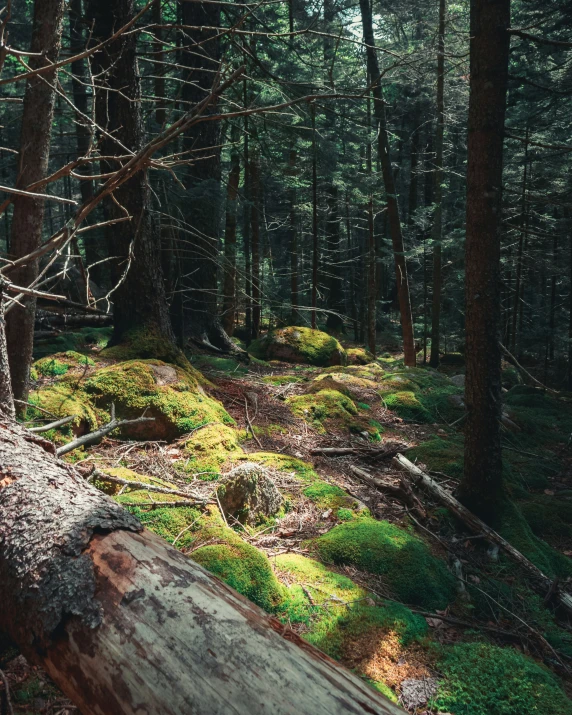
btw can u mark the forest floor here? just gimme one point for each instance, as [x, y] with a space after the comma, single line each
[414, 603]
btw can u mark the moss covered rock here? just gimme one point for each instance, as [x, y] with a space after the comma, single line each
[482, 679]
[170, 394]
[64, 399]
[61, 363]
[412, 573]
[359, 356]
[146, 344]
[248, 494]
[323, 405]
[209, 448]
[299, 345]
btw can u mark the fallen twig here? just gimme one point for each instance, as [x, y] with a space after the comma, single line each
[249, 423]
[140, 485]
[53, 425]
[478, 526]
[97, 434]
[403, 492]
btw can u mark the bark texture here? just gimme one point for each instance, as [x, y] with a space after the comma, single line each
[28, 215]
[139, 298]
[481, 485]
[126, 624]
[384, 156]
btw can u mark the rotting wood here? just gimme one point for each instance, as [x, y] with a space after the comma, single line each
[401, 492]
[542, 582]
[123, 623]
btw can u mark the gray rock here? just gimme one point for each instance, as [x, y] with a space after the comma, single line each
[249, 494]
[457, 401]
[415, 693]
[458, 380]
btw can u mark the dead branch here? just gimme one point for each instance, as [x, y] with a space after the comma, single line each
[140, 485]
[542, 582]
[53, 425]
[402, 492]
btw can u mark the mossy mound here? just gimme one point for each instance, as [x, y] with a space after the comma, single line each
[483, 679]
[208, 449]
[324, 405]
[372, 371]
[548, 516]
[63, 400]
[283, 463]
[422, 395]
[146, 344]
[440, 455]
[82, 339]
[299, 345]
[330, 496]
[346, 383]
[340, 609]
[244, 568]
[226, 365]
[543, 418]
[134, 495]
[412, 573]
[60, 363]
[359, 356]
[406, 405]
[170, 394]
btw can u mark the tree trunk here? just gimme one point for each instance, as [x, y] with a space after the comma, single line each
[520, 249]
[334, 321]
[437, 231]
[294, 279]
[123, 623]
[371, 252]
[139, 299]
[255, 224]
[229, 284]
[481, 487]
[28, 212]
[390, 189]
[159, 69]
[315, 246]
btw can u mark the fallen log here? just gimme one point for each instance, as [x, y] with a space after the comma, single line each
[543, 583]
[390, 450]
[402, 492]
[125, 624]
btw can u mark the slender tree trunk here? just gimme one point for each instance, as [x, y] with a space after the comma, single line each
[371, 253]
[293, 220]
[482, 481]
[519, 252]
[201, 56]
[255, 224]
[139, 299]
[247, 209]
[569, 216]
[413, 174]
[6, 394]
[334, 321]
[28, 212]
[390, 190]
[553, 282]
[437, 232]
[428, 200]
[315, 245]
[229, 283]
[159, 69]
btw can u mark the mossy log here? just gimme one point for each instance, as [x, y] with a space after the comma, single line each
[543, 584]
[124, 623]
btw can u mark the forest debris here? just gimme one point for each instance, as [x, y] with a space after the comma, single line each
[417, 692]
[97, 434]
[542, 582]
[146, 487]
[248, 493]
[53, 425]
[389, 450]
[402, 492]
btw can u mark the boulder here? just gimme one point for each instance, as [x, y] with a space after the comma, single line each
[249, 494]
[458, 380]
[299, 345]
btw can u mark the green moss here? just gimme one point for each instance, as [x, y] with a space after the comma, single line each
[77, 341]
[518, 533]
[208, 448]
[324, 405]
[345, 515]
[344, 382]
[440, 455]
[63, 400]
[297, 344]
[384, 690]
[282, 463]
[146, 344]
[482, 679]
[329, 496]
[548, 515]
[404, 561]
[169, 522]
[60, 363]
[282, 379]
[407, 406]
[227, 365]
[359, 356]
[134, 388]
[244, 568]
[340, 609]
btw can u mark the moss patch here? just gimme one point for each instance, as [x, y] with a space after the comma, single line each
[299, 345]
[329, 496]
[410, 570]
[359, 356]
[283, 463]
[440, 455]
[482, 679]
[146, 344]
[172, 395]
[324, 405]
[60, 363]
[209, 448]
[83, 339]
[63, 400]
[341, 609]
[406, 405]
